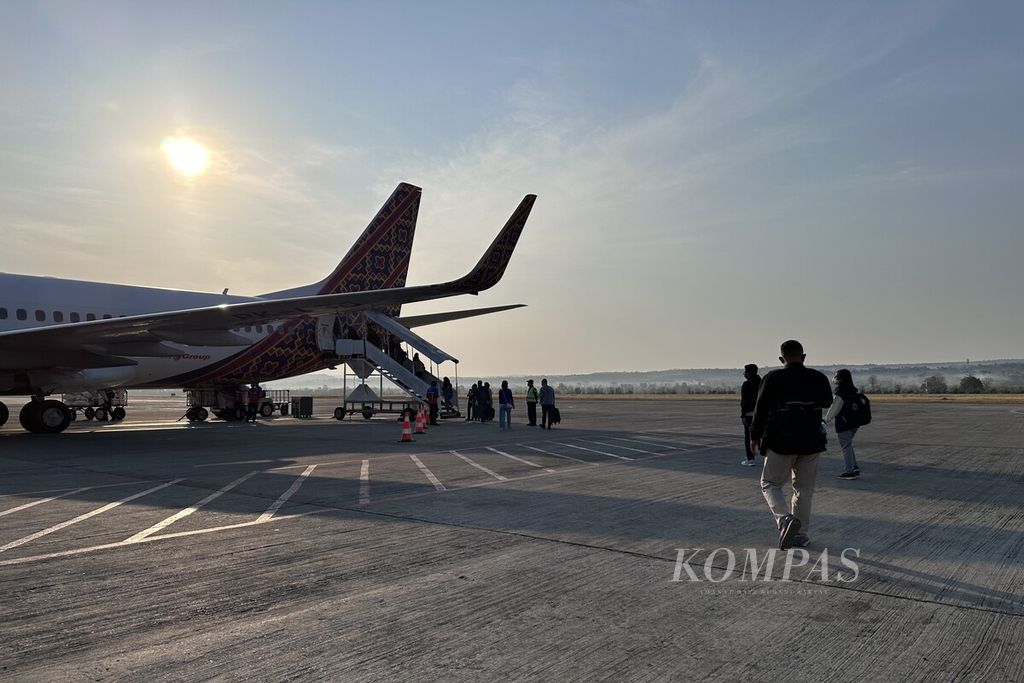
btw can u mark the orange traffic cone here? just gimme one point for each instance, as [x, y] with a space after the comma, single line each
[426, 421]
[406, 429]
[419, 422]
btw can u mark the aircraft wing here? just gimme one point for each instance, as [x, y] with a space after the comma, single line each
[412, 321]
[212, 325]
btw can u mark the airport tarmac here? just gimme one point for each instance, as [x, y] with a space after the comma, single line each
[316, 549]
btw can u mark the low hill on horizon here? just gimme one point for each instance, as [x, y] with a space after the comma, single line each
[996, 375]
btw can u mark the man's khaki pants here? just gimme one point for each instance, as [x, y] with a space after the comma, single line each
[800, 471]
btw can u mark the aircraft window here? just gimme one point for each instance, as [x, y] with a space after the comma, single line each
[58, 317]
[107, 316]
[270, 329]
[259, 328]
[248, 329]
[40, 315]
[90, 316]
[3, 314]
[22, 314]
[75, 317]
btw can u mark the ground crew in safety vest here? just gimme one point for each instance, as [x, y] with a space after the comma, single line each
[531, 404]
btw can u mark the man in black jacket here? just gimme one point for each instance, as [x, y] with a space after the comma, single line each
[748, 398]
[788, 424]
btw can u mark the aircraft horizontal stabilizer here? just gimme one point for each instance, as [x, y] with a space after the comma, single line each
[448, 316]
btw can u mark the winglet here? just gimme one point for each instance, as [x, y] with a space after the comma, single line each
[491, 267]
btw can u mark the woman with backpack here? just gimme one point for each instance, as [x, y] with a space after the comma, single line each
[844, 412]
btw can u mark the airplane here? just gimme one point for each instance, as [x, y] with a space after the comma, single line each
[60, 336]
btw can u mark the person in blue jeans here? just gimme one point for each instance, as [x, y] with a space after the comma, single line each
[505, 406]
[842, 412]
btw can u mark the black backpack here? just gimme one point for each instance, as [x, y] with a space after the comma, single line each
[860, 410]
[795, 428]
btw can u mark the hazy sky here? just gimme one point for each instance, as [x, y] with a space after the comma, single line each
[713, 177]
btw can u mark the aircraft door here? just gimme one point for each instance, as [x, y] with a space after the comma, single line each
[325, 326]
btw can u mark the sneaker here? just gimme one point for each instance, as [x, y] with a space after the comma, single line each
[800, 540]
[789, 526]
[856, 470]
[748, 463]
[850, 475]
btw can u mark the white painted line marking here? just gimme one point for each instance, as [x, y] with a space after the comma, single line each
[364, 483]
[649, 443]
[22, 494]
[189, 510]
[161, 537]
[478, 466]
[594, 450]
[613, 445]
[518, 459]
[272, 510]
[557, 455]
[82, 518]
[235, 462]
[428, 474]
[44, 500]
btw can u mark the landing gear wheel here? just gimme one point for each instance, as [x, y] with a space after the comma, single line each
[101, 414]
[201, 414]
[29, 417]
[339, 413]
[117, 413]
[284, 409]
[89, 413]
[54, 417]
[267, 409]
[4, 414]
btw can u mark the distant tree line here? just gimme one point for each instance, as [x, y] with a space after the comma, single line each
[933, 384]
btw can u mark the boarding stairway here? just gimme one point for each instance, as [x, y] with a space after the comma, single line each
[365, 359]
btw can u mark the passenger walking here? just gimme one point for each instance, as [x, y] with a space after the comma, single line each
[845, 424]
[418, 368]
[788, 423]
[447, 394]
[471, 407]
[433, 399]
[531, 404]
[748, 398]
[505, 406]
[547, 404]
[486, 399]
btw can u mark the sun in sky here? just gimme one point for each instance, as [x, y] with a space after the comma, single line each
[187, 156]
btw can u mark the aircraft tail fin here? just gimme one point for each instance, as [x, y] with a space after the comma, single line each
[379, 259]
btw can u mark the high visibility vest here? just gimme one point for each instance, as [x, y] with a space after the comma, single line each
[531, 394]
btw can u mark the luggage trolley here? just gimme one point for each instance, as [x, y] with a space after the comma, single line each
[101, 405]
[222, 404]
